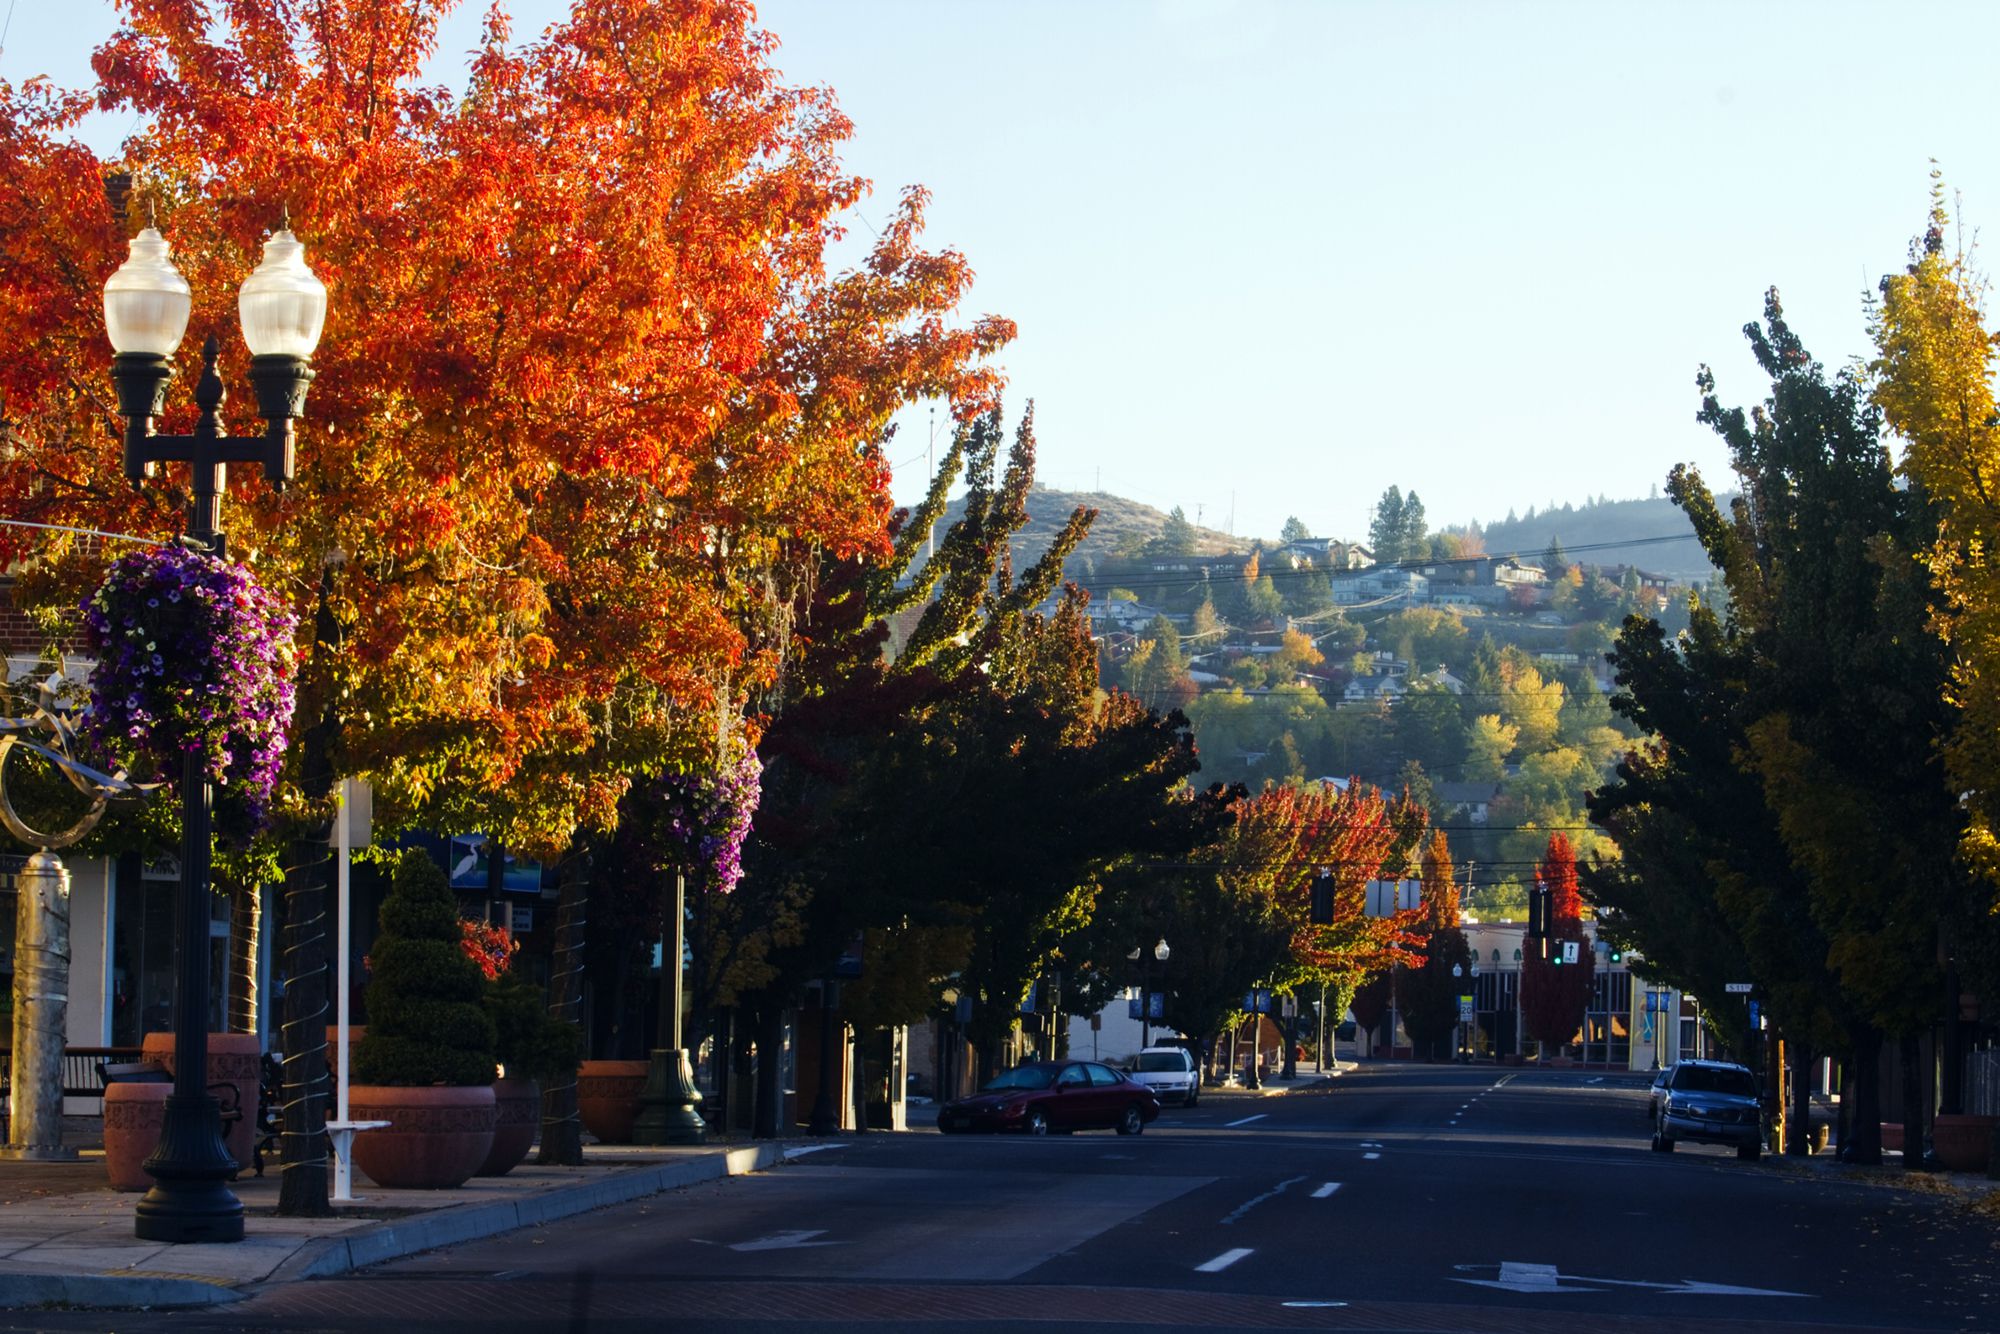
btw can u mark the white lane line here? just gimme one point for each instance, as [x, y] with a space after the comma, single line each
[1223, 1261]
[1273, 1193]
[1229, 1125]
[1371, 1156]
[803, 1150]
[1326, 1190]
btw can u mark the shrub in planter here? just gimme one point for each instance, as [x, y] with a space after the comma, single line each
[426, 1065]
[532, 1047]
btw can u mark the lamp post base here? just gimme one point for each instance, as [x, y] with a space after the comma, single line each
[668, 1101]
[189, 1201]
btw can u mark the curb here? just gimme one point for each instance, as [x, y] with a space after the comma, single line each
[396, 1238]
[389, 1240]
[106, 1290]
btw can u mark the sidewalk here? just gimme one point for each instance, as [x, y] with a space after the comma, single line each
[66, 1237]
[1271, 1086]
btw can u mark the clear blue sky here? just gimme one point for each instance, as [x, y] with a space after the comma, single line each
[1295, 252]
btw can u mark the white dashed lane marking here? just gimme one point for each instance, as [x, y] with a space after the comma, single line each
[1223, 1261]
[1326, 1190]
[1230, 1125]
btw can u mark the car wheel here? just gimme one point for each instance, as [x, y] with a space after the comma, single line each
[1193, 1097]
[1749, 1153]
[1037, 1122]
[1132, 1123]
[1661, 1144]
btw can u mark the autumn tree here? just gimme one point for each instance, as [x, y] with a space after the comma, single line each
[1555, 994]
[1430, 991]
[589, 411]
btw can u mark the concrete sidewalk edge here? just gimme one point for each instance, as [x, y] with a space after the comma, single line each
[107, 1290]
[391, 1239]
[396, 1238]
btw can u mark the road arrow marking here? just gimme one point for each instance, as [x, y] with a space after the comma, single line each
[1516, 1276]
[1222, 1261]
[784, 1241]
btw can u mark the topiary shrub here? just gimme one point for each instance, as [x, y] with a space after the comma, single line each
[425, 1021]
[529, 1042]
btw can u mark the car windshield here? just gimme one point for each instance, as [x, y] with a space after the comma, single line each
[1702, 1079]
[1159, 1061]
[1022, 1077]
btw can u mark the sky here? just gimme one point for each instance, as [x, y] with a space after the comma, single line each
[1270, 257]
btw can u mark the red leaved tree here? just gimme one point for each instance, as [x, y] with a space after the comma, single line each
[1555, 995]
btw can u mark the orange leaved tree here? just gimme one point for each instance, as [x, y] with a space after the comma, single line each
[589, 403]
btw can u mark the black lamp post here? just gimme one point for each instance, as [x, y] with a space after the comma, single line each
[146, 305]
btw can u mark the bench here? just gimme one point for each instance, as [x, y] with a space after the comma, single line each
[80, 1075]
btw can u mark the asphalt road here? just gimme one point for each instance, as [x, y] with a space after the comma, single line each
[1412, 1198]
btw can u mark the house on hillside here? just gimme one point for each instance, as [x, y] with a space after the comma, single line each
[1472, 801]
[1380, 584]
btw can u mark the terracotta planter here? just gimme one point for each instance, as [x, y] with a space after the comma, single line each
[233, 1058]
[133, 1115]
[519, 1106]
[607, 1098]
[436, 1137]
[1892, 1137]
[1963, 1143]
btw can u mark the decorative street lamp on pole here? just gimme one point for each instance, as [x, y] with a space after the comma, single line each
[146, 304]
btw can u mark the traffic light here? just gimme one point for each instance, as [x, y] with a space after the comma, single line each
[1617, 954]
[1538, 923]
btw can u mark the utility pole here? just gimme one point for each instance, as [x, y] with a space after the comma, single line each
[930, 471]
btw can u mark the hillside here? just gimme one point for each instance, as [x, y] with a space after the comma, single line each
[1610, 532]
[1118, 521]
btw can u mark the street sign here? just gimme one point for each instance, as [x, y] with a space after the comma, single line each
[1569, 951]
[1737, 988]
[1465, 1012]
[1258, 1001]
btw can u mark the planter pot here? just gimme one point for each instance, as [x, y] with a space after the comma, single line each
[1963, 1143]
[233, 1058]
[1892, 1137]
[607, 1098]
[518, 1103]
[133, 1115]
[436, 1137]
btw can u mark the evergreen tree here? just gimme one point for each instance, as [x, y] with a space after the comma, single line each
[1176, 537]
[1385, 532]
[1415, 544]
[1294, 530]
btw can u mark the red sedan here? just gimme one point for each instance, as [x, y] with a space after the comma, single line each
[1054, 1095]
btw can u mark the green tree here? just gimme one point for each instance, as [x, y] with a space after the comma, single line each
[1176, 537]
[1415, 543]
[1385, 531]
[1294, 530]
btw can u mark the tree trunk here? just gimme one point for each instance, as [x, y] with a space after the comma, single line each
[303, 1192]
[770, 1097]
[562, 1131]
[1863, 1143]
[246, 940]
[1909, 1049]
[1798, 1123]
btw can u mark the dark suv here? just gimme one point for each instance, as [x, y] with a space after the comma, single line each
[1708, 1102]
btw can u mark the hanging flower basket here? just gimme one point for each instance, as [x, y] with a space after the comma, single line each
[193, 657]
[705, 817]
